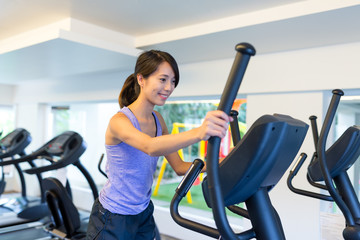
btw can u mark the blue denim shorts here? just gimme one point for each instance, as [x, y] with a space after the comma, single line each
[105, 225]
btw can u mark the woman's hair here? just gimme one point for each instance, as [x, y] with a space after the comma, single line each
[146, 64]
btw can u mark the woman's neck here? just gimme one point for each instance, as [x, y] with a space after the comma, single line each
[141, 109]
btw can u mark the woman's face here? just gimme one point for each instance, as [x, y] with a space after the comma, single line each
[159, 85]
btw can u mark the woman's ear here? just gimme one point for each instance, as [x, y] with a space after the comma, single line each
[140, 80]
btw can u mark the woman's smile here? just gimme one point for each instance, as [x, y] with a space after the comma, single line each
[163, 96]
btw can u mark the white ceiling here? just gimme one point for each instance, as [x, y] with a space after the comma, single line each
[133, 17]
[190, 30]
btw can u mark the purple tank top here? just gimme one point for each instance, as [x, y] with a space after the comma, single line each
[130, 175]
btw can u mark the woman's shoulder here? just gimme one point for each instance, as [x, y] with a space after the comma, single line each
[119, 116]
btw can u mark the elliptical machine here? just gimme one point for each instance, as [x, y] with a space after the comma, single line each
[249, 172]
[331, 166]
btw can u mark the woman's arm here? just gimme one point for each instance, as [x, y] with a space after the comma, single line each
[180, 167]
[120, 129]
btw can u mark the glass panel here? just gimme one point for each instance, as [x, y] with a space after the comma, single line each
[348, 114]
[90, 120]
[7, 120]
[181, 116]
[7, 125]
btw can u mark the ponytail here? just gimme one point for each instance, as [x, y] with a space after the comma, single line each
[129, 92]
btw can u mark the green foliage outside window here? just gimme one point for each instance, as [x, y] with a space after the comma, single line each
[192, 112]
[61, 120]
[188, 113]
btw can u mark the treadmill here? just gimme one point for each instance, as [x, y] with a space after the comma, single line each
[61, 151]
[11, 145]
[21, 209]
[67, 222]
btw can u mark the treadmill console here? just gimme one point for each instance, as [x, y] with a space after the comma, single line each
[56, 147]
[65, 142]
[15, 141]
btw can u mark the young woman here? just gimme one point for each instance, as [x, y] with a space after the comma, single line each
[136, 136]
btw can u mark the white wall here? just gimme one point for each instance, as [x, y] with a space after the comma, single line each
[294, 71]
[6, 94]
[295, 83]
[304, 70]
[31, 116]
[97, 86]
[295, 211]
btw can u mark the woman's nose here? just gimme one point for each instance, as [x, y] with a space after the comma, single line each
[168, 86]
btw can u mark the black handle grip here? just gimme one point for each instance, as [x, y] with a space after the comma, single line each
[314, 129]
[234, 126]
[190, 177]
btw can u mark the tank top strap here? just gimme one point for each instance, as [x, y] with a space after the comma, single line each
[158, 125]
[135, 122]
[131, 116]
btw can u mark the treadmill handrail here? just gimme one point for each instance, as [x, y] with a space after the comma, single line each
[18, 160]
[28, 157]
[52, 166]
[63, 162]
[65, 159]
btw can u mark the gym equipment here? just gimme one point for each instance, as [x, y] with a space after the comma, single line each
[66, 221]
[61, 151]
[99, 166]
[249, 172]
[11, 145]
[64, 148]
[22, 209]
[331, 166]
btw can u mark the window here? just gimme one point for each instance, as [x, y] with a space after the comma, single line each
[181, 116]
[90, 120]
[348, 114]
[7, 120]
[7, 125]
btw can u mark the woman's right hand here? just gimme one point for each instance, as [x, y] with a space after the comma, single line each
[215, 124]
